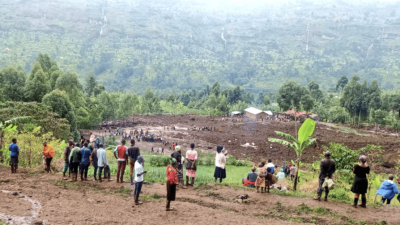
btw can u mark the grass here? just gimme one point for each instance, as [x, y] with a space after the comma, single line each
[349, 131]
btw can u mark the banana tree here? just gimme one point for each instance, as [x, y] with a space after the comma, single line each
[299, 144]
[7, 123]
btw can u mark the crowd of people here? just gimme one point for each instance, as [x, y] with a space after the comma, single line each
[79, 156]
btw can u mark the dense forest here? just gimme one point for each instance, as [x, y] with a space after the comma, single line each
[182, 45]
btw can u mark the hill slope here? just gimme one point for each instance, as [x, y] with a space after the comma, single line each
[176, 45]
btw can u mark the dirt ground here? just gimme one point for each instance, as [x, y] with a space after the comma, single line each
[235, 135]
[89, 202]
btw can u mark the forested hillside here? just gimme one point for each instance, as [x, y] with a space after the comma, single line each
[178, 45]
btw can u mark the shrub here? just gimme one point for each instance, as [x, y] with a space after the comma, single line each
[344, 157]
[160, 160]
[339, 194]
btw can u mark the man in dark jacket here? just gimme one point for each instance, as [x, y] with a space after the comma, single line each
[67, 151]
[133, 154]
[327, 168]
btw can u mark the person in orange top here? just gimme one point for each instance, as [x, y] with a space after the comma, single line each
[172, 181]
[48, 153]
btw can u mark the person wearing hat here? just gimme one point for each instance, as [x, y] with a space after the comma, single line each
[172, 181]
[327, 168]
[360, 184]
[388, 190]
[177, 155]
[220, 160]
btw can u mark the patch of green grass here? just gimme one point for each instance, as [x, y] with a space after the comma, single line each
[123, 191]
[261, 217]
[151, 197]
[2, 223]
[31, 174]
[320, 211]
[296, 220]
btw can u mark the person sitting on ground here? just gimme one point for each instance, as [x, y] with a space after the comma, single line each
[388, 190]
[281, 175]
[14, 153]
[360, 185]
[250, 181]
[262, 173]
[220, 160]
[138, 178]
[48, 153]
[172, 181]
[270, 165]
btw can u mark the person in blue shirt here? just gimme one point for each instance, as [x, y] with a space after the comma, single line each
[14, 153]
[388, 190]
[85, 161]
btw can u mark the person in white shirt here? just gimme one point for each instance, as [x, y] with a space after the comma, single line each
[138, 178]
[220, 160]
[270, 165]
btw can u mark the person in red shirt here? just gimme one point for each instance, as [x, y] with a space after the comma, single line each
[172, 181]
[122, 156]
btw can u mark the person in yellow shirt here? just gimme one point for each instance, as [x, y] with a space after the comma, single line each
[48, 153]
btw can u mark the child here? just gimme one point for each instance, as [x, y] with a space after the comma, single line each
[262, 173]
[172, 181]
[139, 178]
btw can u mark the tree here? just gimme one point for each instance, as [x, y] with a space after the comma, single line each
[127, 106]
[292, 95]
[12, 83]
[321, 110]
[338, 114]
[150, 102]
[69, 83]
[109, 106]
[60, 104]
[90, 84]
[298, 145]
[378, 117]
[37, 86]
[354, 98]
[53, 78]
[45, 63]
[216, 89]
[374, 95]
[8, 124]
[98, 89]
[342, 82]
[313, 86]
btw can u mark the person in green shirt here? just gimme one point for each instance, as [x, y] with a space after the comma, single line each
[75, 159]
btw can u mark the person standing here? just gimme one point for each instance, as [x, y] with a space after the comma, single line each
[262, 173]
[177, 155]
[75, 158]
[133, 154]
[327, 168]
[85, 161]
[48, 153]
[121, 150]
[360, 184]
[139, 164]
[67, 166]
[95, 162]
[388, 190]
[191, 156]
[220, 160]
[14, 153]
[101, 160]
[172, 181]
[292, 172]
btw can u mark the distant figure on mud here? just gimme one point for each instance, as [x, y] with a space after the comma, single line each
[327, 168]
[360, 185]
[122, 152]
[220, 160]
[388, 190]
[48, 154]
[191, 156]
[14, 153]
[133, 155]
[172, 181]
[139, 178]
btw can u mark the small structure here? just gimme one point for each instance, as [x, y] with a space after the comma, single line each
[236, 113]
[254, 113]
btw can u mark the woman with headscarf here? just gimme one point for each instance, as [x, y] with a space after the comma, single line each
[262, 173]
[172, 181]
[191, 156]
[360, 184]
[138, 178]
[220, 160]
[177, 155]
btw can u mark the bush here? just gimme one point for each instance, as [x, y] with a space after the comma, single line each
[339, 194]
[160, 160]
[344, 157]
